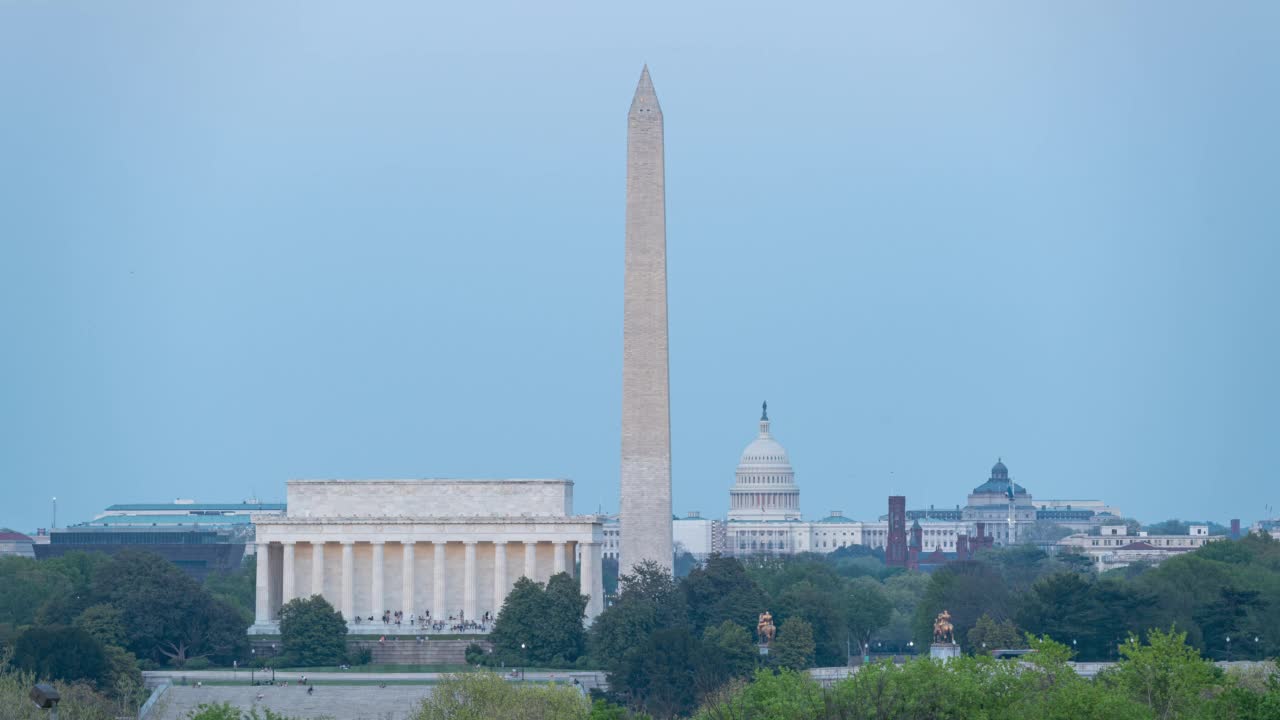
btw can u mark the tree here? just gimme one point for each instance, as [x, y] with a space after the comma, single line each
[167, 615]
[1165, 674]
[1226, 617]
[62, 653]
[987, 635]
[904, 592]
[661, 677]
[730, 650]
[312, 632]
[648, 601]
[518, 623]
[237, 587]
[1092, 616]
[966, 590]
[867, 609]
[540, 624]
[784, 695]
[104, 622]
[561, 633]
[25, 586]
[683, 562]
[720, 591]
[825, 612]
[794, 648]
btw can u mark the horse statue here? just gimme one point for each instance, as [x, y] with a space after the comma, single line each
[765, 629]
[943, 630]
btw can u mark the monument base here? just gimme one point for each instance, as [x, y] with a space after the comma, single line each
[764, 649]
[944, 651]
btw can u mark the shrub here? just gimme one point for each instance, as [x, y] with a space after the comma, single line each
[476, 654]
[486, 695]
[360, 656]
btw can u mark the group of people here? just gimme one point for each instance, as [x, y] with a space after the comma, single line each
[398, 617]
[454, 623]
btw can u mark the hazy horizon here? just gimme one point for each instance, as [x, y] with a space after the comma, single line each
[246, 243]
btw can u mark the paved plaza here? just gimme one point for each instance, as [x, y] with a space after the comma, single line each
[342, 702]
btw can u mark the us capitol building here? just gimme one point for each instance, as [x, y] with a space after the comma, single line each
[765, 519]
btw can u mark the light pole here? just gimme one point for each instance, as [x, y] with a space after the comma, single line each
[524, 659]
[911, 647]
[55, 526]
[1228, 648]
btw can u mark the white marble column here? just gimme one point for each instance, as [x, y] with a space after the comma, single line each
[499, 575]
[531, 560]
[377, 595]
[591, 580]
[348, 580]
[438, 611]
[557, 556]
[262, 585]
[469, 580]
[317, 568]
[287, 589]
[406, 578]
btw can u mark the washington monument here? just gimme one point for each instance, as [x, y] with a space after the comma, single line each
[645, 512]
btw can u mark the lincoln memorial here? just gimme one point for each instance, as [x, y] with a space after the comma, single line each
[452, 548]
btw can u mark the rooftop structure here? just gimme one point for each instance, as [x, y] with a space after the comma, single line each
[200, 538]
[15, 543]
[1115, 547]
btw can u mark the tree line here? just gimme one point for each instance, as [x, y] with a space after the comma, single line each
[668, 644]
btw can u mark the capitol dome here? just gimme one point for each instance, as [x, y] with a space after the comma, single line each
[765, 483]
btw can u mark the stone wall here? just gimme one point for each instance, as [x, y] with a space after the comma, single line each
[429, 498]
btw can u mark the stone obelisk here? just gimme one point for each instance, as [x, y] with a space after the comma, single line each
[645, 513]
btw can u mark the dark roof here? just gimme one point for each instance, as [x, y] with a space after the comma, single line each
[999, 487]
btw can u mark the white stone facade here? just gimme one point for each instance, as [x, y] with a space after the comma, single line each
[645, 511]
[697, 535]
[764, 487]
[451, 548]
[1115, 547]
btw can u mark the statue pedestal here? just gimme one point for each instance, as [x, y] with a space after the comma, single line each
[764, 648]
[944, 651]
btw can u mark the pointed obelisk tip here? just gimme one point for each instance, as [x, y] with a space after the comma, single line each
[645, 101]
[644, 88]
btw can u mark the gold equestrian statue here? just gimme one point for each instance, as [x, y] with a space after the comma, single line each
[765, 629]
[943, 630]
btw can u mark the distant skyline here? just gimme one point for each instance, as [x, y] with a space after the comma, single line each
[244, 243]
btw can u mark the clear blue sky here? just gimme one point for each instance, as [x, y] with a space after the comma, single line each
[242, 242]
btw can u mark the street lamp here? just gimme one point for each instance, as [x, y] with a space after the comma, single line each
[911, 647]
[524, 658]
[1228, 648]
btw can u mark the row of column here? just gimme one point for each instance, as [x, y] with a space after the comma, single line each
[560, 562]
